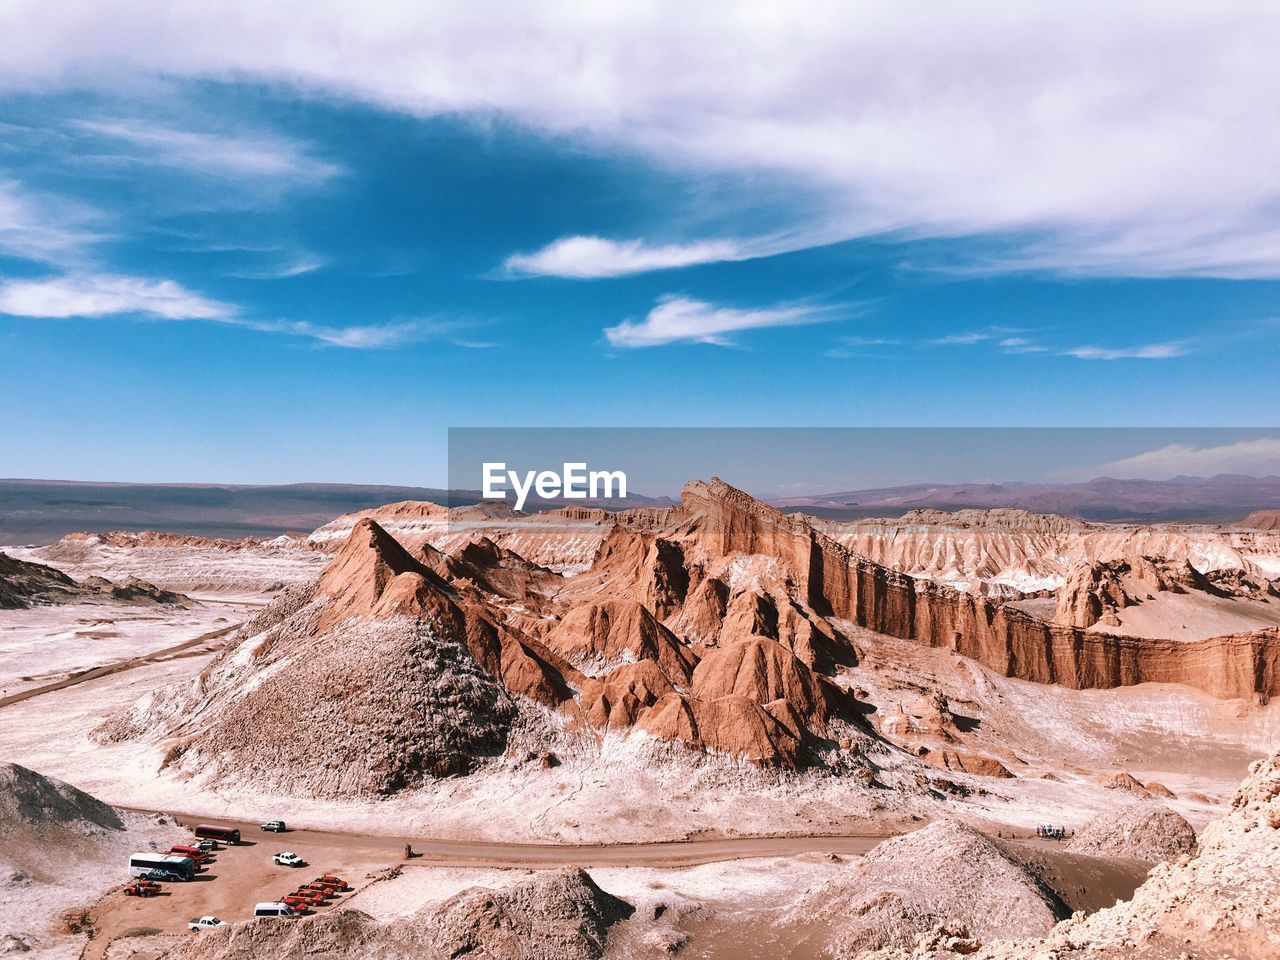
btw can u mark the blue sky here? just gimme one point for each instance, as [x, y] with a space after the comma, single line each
[227, 258]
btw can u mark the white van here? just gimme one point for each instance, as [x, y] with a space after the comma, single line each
[273, 909]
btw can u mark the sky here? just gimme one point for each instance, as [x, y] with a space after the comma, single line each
[274, 241]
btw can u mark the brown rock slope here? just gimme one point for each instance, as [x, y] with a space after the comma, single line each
[24, 584]
[556, 915]
[833, 581]
[1223, 901]
[721, 625]
[1262, 520]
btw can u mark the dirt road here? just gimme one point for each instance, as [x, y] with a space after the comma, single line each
[196, 646]
[483, 853]
[246, 874]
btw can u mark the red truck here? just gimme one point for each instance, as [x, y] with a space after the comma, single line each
[183, 850]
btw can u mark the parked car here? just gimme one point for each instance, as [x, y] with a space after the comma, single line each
[336, 882]
[195, 853]
[167, 876]
[207, 845]
[142, 888]
[274, 826]
[273, 908]
[307, 897]
[289, 859]
[204, 923]
[317, 888]
[335, 887]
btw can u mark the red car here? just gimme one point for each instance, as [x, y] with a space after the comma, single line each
[142, 888]
[298, 903]
[330, 883]
[310, 896]
[195, 853]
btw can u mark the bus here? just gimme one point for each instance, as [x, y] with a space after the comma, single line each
[206, 831]
[176, 868]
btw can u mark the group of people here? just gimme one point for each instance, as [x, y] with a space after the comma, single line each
[1052, 833]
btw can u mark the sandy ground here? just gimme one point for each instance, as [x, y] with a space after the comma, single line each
[244, 875]
[1185, 617]
[43, 645]
[39, 884]
[619, 790]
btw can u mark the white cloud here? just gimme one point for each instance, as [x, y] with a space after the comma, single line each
[223, 155]
[1020, 345]
[43, 228]
[676, 319]
[104, 295]
[101, 295]
[1150, 351]
[968, 338]
[1260, 457]
[374, 336]
[1128, 139]
[594, 257]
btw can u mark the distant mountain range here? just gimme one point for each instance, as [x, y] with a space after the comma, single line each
[41, 511]
[1226, 498]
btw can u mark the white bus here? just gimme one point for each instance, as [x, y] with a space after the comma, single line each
[165, 866]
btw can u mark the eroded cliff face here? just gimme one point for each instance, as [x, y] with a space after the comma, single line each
[1006, 552]
[846, 587]
[724, 627]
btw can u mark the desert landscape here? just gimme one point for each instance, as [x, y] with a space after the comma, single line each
[711, 729]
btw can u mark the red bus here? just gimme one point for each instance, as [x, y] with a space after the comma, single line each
[226, 834]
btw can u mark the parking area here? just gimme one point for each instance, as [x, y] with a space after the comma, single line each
[236, 878]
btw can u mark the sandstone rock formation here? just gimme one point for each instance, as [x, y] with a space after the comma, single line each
[1145, 830]
[721, 624]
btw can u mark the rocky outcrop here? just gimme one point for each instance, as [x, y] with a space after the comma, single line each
[24, 584]
[555, 915]
[1004, 639]
[1094, 592]
[1223, 900]
[719, 627]
[945, 872]
[961, 761]
[1262, 520]
[1145, 830]
[33, 801]
[599, 637]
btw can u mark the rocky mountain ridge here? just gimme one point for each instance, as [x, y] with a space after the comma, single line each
[717, 625]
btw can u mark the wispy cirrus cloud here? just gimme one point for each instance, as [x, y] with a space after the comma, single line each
[1257, 457]
[382, 336]
[224, 155]
[97, 296]
[586, 258]
[1034, 123]
[102, 295]
[1147, 351]
[678, 319]
[43, 228]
